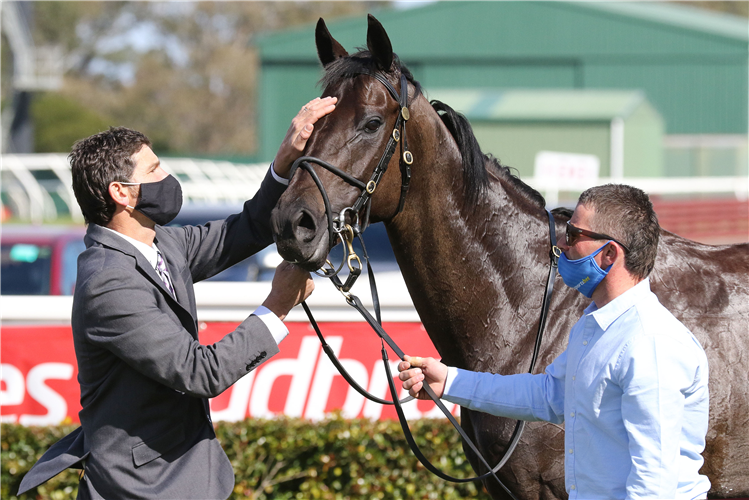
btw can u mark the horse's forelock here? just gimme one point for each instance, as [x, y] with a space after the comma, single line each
[361, 63]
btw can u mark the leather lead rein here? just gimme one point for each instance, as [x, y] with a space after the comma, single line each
[376, 325]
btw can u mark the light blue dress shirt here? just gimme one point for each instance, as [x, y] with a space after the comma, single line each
[632, 389]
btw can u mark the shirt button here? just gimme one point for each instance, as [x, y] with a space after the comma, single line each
[571, 450]
[585, 342]
[572, 414]
[572, 487]
[573, 377]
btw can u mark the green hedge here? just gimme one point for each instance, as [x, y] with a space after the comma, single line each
[291, 458]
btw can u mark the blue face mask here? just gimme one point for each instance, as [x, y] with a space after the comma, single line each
[584, 274]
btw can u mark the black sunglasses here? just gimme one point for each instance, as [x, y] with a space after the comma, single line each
[574, 232]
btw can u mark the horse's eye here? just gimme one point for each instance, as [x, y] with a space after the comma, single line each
[372, 125]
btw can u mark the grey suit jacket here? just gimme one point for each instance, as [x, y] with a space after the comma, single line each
[146, 429]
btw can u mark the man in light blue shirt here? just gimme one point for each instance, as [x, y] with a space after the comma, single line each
[632, 385]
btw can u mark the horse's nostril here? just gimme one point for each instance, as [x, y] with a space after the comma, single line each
[306, 228]
[307, 222]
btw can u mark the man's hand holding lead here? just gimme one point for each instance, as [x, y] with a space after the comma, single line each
[415, 370]
[291, 285]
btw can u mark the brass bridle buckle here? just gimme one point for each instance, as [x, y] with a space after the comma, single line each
[354, 271]
[349, 239]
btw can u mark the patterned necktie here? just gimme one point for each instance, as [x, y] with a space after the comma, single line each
[164, 273]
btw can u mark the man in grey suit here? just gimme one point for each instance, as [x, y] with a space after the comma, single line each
[146, 429]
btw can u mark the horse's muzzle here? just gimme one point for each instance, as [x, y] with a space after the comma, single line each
[301, 236]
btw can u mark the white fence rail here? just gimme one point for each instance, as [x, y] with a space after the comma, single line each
[737, 186]
[37, 187]
[234, 301]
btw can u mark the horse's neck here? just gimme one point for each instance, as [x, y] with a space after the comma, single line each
[469, 271]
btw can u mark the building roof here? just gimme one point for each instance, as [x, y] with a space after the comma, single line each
[683, 16]
[661, 28]
[691, 63]
[541, 105]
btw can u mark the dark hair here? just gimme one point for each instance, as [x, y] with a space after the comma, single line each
[626, 213]
[96, 162]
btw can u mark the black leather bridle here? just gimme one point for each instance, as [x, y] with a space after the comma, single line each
[338, 228]
[336, 225]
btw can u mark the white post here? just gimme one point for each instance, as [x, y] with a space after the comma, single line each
[616, 163]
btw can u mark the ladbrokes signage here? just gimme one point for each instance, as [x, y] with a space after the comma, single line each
[39, 371]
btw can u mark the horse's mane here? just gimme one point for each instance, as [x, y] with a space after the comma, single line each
[475, 176]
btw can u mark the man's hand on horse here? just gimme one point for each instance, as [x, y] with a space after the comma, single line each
[300, 130]
[414, 370]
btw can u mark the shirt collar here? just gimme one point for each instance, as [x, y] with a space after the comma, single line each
[149, 252]
[609, 313]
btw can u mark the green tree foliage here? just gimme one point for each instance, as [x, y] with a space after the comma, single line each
[61, 121]
[334, 459]
[184, 73]
[735, 7]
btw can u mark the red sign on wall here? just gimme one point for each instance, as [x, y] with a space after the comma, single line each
[39, 375]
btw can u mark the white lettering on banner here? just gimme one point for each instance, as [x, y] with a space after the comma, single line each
[238, 401]
[300, 369]
[57, 408]
[254, 392]
[14, 389]
[324, 374]
[14, 385]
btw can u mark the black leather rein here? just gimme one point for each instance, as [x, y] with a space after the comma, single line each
[376, 325]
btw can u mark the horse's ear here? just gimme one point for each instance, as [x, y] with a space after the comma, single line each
[379, 45]
[328, 49]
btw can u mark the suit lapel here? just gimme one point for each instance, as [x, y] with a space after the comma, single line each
[175, 271]
[105, 237]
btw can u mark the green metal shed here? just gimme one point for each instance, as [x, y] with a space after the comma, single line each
[620, 128]
[691, 64]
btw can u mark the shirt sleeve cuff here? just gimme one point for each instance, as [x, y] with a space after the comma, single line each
[277, 329]
[452, 372]
[278, 178]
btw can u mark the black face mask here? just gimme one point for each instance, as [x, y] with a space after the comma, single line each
[159, 201]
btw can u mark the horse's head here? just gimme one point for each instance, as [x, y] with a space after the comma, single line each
[367, 122]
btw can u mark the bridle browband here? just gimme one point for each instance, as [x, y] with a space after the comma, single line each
[338, 228]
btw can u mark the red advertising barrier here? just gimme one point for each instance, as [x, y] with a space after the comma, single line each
[39, 370]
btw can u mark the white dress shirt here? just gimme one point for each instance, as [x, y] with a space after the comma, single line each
[278, 178]
[632, 388]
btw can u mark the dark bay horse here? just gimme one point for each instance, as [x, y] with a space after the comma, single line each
[472, 243]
